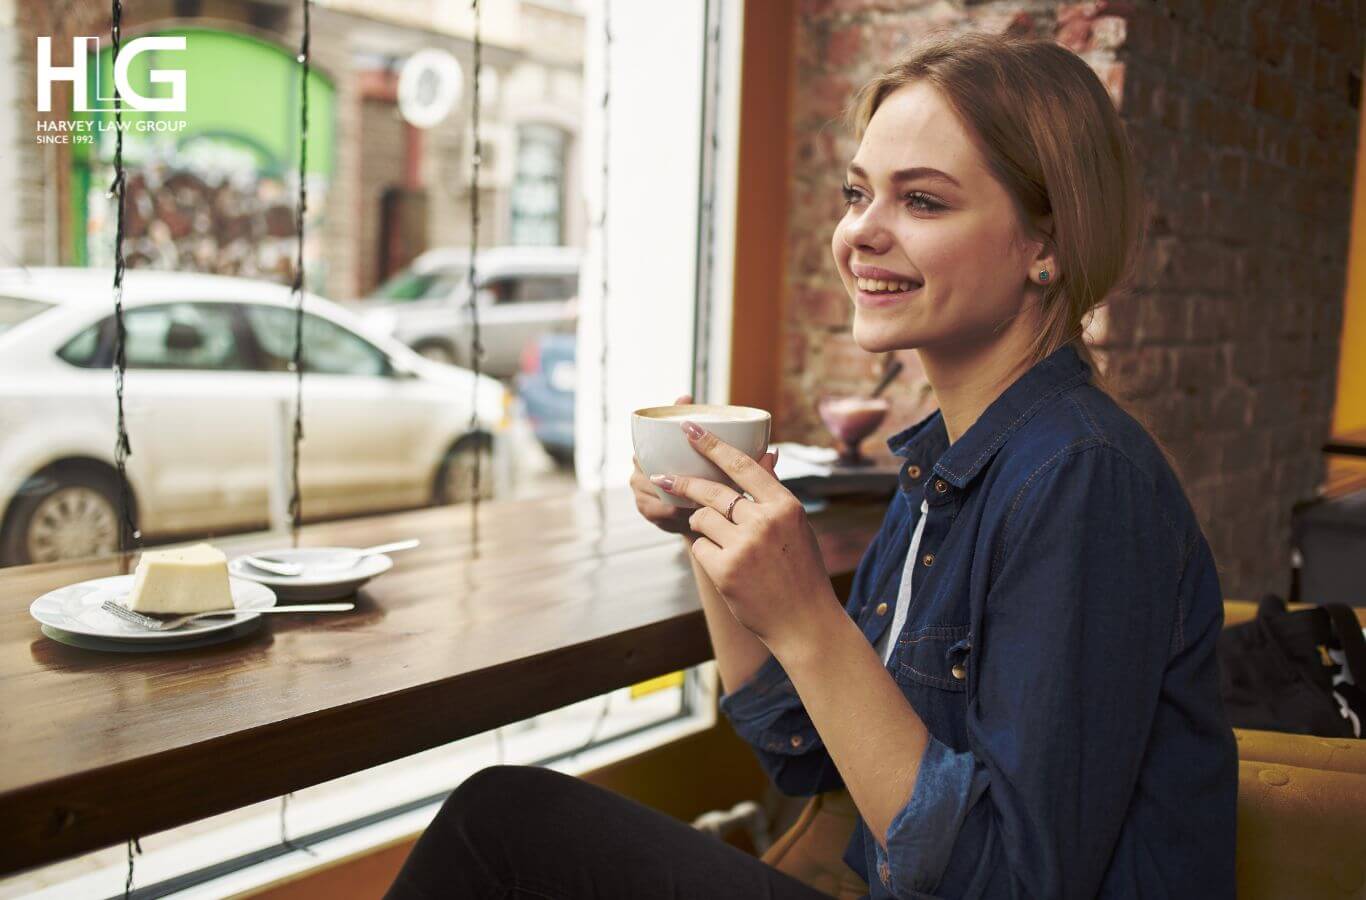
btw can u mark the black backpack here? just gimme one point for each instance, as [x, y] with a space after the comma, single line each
[1278, 672]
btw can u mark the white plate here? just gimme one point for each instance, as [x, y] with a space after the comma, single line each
[320, 580]
[108, 645]
[76, 609]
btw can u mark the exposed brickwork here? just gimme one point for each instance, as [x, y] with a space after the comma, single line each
[1241, 117]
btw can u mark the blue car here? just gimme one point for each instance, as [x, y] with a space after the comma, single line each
[545, 383]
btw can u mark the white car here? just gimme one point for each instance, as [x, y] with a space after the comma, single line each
[207, 401]
[524, 292]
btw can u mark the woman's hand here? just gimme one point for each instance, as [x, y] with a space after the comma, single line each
[662, 515]
[765, 559]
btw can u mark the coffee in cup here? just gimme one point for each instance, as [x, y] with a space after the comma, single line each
[663, 448]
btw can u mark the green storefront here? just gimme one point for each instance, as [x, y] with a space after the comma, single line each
[211, 188]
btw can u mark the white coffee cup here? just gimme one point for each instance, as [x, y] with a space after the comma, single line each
[663, 448]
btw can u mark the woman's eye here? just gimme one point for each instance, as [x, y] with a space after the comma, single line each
[851, 195]
[923, 202]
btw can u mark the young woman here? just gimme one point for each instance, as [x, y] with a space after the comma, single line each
[1021, 694]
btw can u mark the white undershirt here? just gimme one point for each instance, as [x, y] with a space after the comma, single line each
[887, 641]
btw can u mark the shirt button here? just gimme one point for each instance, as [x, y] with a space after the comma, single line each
[959, 672]
[884, 872]
[941, 485]
[929, 559]
[796, 740]
[913, 471]
[882, 609]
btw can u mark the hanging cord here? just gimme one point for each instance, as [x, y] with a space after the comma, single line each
[128, 531]
[297, 362]
[711, 122]
[476, 345]
[602, 238]
[133, 844]
[284, 832]
[297, 288]
[596, 729]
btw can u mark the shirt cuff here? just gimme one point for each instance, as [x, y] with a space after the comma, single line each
[921, 837]
[767, 713]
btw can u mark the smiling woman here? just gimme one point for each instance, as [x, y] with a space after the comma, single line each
[1021, 694]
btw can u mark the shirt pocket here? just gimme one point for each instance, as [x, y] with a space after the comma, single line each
[935, 656]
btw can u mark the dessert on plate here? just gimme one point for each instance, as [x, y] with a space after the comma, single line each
[183, 580]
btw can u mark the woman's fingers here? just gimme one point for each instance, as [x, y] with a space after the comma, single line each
[759, 483]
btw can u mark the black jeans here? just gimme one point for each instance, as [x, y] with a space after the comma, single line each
[524, 832]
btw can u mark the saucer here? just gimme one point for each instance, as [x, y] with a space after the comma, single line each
[321, 579]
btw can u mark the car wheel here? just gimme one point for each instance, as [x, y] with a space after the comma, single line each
[455, 480]
[436, 352]
[62, 515]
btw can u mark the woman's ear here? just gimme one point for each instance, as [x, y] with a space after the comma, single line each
[1043, 270]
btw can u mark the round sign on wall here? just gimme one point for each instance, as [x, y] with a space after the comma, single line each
[429, 87]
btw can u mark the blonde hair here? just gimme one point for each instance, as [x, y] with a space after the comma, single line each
[1054, 140]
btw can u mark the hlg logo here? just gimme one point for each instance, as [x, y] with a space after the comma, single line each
[131, 99]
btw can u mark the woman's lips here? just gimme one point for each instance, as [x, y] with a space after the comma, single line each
[875, 299]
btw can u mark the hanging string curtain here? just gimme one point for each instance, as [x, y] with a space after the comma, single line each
[472, 303]
[128, 531]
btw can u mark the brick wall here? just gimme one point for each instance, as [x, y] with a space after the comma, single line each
[1244, 123]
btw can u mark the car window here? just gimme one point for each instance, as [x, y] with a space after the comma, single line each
[80, 350]
[329, 349]
[408, 286]
[182, 336]
[14, 310]
[533, 288]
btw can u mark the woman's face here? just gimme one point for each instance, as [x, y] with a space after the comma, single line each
[930, 248]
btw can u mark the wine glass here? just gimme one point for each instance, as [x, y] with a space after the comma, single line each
[850, 419]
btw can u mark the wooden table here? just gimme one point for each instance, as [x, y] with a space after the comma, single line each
[566, 599]
[1353, 443]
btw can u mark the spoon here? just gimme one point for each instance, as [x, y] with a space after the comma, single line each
[345, 560]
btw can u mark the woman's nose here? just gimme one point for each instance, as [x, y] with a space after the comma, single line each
[866, 232]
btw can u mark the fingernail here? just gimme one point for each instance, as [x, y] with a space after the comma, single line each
[694, 431]
[664, 481]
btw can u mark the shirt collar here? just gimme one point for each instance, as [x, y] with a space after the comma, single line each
[927, 441]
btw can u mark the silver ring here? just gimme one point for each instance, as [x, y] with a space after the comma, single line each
[730, 509]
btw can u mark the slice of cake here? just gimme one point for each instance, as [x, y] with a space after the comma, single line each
[189, 580]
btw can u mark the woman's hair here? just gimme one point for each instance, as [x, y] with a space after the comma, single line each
[1052, 137]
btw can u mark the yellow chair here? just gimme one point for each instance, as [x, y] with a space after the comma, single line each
[1303, 751]
[812, 850]
[1301, 830]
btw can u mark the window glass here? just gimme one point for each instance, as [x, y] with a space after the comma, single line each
[407, 286]
[182, 336]
[14, 310]
[552, 287]
[80, 350]
[538, 188]
[532, 288]
[329, 349]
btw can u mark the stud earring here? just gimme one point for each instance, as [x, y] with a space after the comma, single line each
[1043, 275]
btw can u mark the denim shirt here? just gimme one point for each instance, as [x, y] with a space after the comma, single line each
[1060, 649]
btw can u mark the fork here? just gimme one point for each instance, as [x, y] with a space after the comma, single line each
[137, 618]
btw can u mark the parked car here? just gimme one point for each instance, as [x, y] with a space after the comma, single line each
[546, 385]
[524, 292]
[206, 397]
